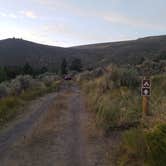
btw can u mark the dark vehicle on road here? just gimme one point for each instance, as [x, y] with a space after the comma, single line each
[67, 77]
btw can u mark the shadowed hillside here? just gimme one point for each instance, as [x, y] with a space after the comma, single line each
[14, 52]
[126, 52]
[18, 52]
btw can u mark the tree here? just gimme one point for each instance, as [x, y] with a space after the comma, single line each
[13, 71]
[64, 67]
[27, 69]
[43, 70]
[76, 65]
[162, 55]
[3, 74]
[141, 60]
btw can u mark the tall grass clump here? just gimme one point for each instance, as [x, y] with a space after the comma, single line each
[143, 147]
[118, 109]
[113, 98]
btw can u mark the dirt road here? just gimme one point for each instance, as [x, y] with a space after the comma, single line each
[58, 131]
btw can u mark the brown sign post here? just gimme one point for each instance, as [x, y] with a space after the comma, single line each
[145, 92]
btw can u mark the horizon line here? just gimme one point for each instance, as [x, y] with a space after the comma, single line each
[106, 42]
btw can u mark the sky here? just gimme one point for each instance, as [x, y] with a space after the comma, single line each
[68, 23]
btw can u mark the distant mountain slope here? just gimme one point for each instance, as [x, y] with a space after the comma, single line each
[126, 52]
[18, 52]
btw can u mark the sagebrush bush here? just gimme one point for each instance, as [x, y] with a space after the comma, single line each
[48, 78]
[89, 75]
[23, 88]
[20, 83]
[26, 82]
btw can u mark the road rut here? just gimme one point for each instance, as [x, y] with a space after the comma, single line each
[57, 133]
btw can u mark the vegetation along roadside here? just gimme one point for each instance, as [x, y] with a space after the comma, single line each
[114, 96]
[17, 92]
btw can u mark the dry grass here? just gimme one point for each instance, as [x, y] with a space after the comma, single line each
[116, 105]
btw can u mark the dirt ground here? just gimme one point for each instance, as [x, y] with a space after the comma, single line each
[58, 132]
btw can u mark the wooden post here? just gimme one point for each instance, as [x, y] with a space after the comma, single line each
[145, 105]
[145, 99]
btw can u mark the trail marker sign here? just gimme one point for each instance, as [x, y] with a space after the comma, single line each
[145, 89]
[145, 92]
[146, 83]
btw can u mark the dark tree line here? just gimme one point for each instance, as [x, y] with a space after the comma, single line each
[64, 67]
[76, 65]
[10, 72]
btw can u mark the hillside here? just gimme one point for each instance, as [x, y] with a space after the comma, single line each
[126, 52]
[18, 52]
[15, 52]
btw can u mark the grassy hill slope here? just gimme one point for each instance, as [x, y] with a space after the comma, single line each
[18, 52]
[126, 52]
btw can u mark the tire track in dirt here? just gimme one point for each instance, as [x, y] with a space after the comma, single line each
[65, 136]
[23, 127]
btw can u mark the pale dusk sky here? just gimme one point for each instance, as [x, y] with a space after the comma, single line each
[76, 22]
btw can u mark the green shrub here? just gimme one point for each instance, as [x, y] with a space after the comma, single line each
[54, 86]
[3, 75]
[115, 76]
[159, 84]
[156, 146]
[133, 150]
[141, 147]
[125, 77]
[8, 108]
[32, 94]
[21, 89]
[129, 78]
[20, 83]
